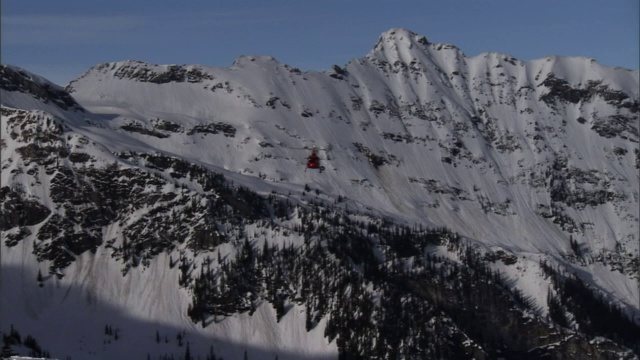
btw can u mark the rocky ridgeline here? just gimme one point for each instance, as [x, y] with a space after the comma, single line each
[12, 79]
[157, 74]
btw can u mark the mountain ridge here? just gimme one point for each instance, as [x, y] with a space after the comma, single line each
[531, 160]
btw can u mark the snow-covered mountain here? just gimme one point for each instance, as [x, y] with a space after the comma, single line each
[141, 190]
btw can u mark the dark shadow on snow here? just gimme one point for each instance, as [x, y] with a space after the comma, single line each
[98, 330]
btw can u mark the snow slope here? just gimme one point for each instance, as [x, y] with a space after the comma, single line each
[407, 77]
[523, 157]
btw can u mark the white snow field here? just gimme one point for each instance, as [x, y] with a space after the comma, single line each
[414, 131]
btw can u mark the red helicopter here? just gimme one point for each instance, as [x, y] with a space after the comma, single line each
[313, 160]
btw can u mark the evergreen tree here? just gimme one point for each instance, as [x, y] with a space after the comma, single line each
[556, 310]
[187, 353]
[212, 354]
[6, 351]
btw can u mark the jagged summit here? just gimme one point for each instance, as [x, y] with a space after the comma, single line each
[402, 47]
[395, 35]
[398, 43]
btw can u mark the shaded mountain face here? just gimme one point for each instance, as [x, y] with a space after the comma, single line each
[450, 183]
[14, 80]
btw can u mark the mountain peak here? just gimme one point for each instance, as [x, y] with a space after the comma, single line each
[399, 37]
[398, 44]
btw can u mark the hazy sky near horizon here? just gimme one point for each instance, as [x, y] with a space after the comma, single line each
[61, 39]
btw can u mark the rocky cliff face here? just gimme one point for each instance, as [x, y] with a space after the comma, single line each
[451, 183]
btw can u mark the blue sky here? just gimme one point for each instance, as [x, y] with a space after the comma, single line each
[60, 39]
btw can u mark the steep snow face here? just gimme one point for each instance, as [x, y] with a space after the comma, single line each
[415, 129]
[538, 159]
[541, 151]
[524, 156]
